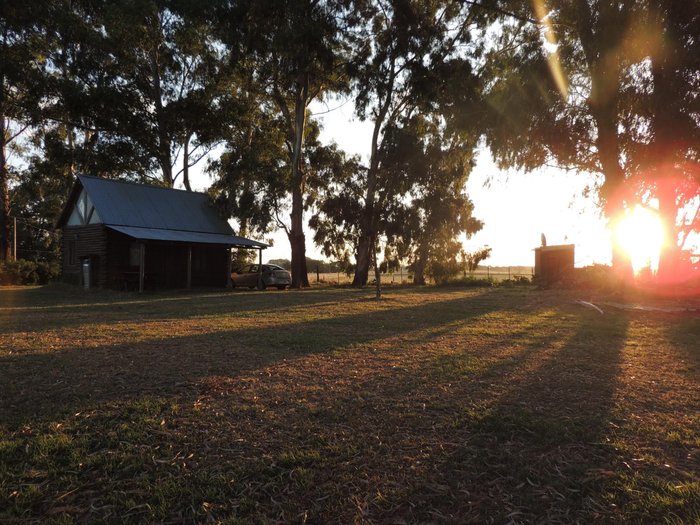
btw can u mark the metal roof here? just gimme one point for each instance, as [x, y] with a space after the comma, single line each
[156, 213]
[157, 234]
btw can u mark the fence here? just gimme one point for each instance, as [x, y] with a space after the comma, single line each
[404, 276]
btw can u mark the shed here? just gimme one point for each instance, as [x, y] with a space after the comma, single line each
[118, 234]
[554, 262]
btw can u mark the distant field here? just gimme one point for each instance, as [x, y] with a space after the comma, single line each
[497, 273]
[433, 405]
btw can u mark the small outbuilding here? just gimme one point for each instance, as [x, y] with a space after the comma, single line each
[124, 235]
[554, 262]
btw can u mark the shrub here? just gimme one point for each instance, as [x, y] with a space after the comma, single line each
[468, 282]
[24, 271]
[516, 280]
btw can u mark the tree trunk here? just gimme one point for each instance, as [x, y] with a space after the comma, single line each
[363, 259]
[164, 144]
[421, 263]
[365, 246]
[186, 162]
[368, 227]
[664, 147]
[603, 61]
[670, 250]
[4, 188]
[377, 274]
[297, 239]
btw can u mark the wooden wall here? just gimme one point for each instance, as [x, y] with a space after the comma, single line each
[78, 243]
[165, 262]
[554, 262]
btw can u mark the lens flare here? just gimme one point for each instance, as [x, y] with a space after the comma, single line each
[551, 47]
[640, 233]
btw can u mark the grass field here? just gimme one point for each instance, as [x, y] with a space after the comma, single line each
[325, 406]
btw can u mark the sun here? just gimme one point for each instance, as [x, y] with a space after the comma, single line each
[640, 234]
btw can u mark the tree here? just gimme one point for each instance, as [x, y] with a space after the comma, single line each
[168, 82]
[411, 66]
[473, 259]
[20, 94]
[443, 212]
[605, 87]
[298, 52]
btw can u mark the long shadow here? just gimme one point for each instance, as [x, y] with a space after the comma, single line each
[536, 453]
[44, 385]
[398, 432]
[54, 308]
[684, 332]
[386, 430]
[36, 309]
[499, 445]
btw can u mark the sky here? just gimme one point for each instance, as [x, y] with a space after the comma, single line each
[515, 207]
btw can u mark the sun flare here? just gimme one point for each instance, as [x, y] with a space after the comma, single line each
[640, 234]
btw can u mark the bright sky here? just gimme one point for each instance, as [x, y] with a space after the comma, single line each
[516, 207]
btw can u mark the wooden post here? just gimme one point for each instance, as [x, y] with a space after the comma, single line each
[260, 270]
[142, 266]
[228, 269]
[189, 267]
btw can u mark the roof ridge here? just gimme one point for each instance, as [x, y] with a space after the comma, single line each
[141, 184]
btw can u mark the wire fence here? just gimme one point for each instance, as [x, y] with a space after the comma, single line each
[405, 276]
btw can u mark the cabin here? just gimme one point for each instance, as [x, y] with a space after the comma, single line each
[124, 235]
[554, 262]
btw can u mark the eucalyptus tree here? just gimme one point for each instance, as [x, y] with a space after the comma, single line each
[169, 78]
[425, 208]
[20, 94]
[438, 211]
[298, 51]
[607, 87]
[416, 61]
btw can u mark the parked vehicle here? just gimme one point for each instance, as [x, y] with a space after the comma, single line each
[272, 275]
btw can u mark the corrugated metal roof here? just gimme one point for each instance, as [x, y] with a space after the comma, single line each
[156, 213]
[142, 206]
[156, 234]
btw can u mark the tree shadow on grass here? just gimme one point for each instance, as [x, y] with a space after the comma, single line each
[438, 438]
[40, 309]
[538, 453]
[415, 413]
[36, 386]
[684, 333]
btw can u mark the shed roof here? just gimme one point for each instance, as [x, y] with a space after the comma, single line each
[155, 213]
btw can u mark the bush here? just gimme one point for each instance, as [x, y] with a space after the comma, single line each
[468, 282]
[516, 280]
[27, 272]
[598, 277]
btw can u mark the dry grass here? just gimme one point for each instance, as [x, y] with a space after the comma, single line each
[432, 405]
